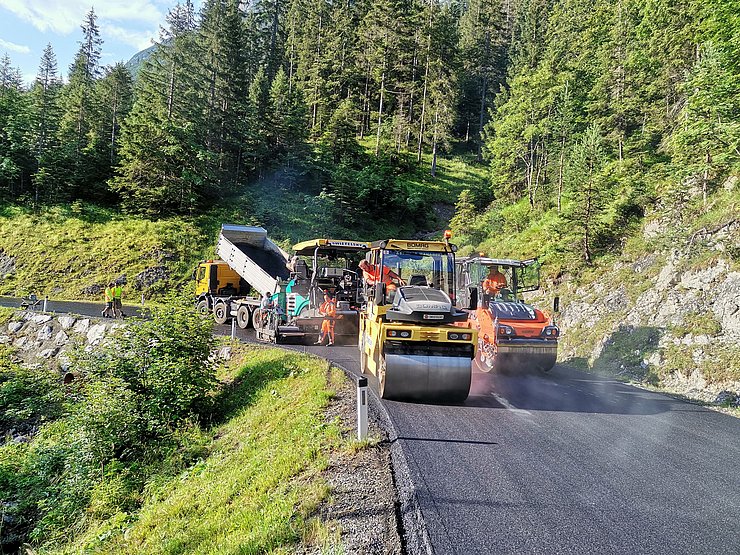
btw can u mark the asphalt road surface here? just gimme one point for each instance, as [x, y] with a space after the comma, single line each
[565, 462]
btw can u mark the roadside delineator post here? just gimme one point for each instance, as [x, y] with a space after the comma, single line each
[361, 408]
[46, 298]
[233, 328]
[142, 299]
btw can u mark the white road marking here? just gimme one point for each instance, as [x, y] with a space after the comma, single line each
[509, 406]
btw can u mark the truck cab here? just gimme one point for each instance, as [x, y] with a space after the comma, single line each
[217, 278]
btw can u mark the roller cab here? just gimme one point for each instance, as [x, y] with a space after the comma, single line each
[413, 338]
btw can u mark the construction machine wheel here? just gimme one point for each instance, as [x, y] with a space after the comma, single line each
[201, 307]
[220, 313]
[256, 315]
[243, 317]
[483, 364]
[424, 378]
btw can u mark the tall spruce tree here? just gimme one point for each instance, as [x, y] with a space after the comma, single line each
[77, 101]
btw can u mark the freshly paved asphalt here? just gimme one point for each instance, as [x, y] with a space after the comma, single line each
[565, 462]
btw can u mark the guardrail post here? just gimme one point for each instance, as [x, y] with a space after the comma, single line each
[361, 408]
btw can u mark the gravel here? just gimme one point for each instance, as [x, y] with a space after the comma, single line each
[362, 504]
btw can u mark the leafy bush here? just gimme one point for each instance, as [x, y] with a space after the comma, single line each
[27, 397]
[137, 405]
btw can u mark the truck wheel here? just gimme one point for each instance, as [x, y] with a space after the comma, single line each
[256, 316]
[201, 307]
[220, 313]
[243, 317]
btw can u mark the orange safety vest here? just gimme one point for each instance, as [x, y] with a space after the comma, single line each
[328, 309]
[494, 283]
[372, 276]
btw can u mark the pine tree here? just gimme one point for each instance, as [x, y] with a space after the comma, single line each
[16, 150]
[588, 190]
[161, 169]
[483, 49]
[45, 95]
[78, 108]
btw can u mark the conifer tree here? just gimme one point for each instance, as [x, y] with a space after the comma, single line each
[78, 107]
[16, 150]
[45, 95]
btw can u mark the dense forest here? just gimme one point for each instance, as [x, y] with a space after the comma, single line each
[584, 113]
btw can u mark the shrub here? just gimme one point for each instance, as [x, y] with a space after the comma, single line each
[27, 397]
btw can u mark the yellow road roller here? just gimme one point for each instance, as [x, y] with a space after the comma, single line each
[413, 337]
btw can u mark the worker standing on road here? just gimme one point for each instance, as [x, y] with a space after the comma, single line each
[329, 310]
[118, 300]
[108, 294]
[493, 284]
[265, 306]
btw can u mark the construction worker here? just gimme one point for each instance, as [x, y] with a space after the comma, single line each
[329, 310]
[265, 306]
[108, 295]
[493, 284]
[117, 300]
[371, 274]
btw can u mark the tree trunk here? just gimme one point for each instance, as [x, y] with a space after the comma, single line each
[426, 78]
[434, 144]
[561, 163]
[380, 111]
[705, 179]
[484, 90]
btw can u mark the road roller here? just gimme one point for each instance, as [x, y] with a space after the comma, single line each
[413, 338]
[513, 336]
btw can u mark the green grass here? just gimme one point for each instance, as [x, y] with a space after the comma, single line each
[260, 485]
[61, 251]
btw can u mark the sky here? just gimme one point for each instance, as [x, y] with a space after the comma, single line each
[126, 27]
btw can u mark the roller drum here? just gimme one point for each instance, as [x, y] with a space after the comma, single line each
[426, 378]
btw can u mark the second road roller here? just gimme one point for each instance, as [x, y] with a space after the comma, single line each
[413, 337]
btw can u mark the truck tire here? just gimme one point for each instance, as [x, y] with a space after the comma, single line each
[243, 317]
[256, 315]
[220, 313]
[201, 307]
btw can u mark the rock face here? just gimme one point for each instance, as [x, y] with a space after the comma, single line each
[667, 321]
[45, 338]
[150, 276]
[7, 264]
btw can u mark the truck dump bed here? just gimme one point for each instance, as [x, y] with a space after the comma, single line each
[249, 252]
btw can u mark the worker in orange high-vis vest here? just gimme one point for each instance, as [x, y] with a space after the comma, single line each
[371, 274]
[329, 310]
[493, 284]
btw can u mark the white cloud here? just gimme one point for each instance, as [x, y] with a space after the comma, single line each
[138, 39]
[13, 47]
[65, 16]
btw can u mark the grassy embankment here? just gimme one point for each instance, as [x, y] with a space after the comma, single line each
[249, 484]
[64, 250]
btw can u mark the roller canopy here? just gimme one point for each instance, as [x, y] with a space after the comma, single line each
[307, 248]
